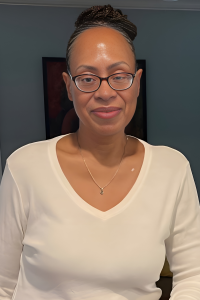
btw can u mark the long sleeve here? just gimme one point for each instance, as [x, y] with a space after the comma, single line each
[12, 228]
[55, 245]
[183, 244]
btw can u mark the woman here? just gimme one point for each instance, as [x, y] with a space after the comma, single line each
[91, 214]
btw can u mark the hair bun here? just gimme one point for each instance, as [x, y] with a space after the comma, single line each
[108, 15]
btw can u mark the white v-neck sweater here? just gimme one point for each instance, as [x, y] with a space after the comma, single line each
[54, 245]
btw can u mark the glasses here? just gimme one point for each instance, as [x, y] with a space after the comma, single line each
[88, 83]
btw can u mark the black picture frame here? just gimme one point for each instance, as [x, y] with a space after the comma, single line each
[60, 116]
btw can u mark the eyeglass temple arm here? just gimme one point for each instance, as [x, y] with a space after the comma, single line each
[69, 73]
[136, 67]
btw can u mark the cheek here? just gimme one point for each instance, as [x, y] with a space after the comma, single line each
[133, 94]
[130, 102]
[80, 101]
[129, 97]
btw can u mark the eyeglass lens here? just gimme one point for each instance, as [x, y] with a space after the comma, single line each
[89, 83]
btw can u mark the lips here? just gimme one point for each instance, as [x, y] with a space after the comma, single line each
[106, 109]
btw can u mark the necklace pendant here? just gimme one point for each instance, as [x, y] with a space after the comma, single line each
[101, 191]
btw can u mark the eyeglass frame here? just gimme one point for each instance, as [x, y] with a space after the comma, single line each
[102, 78]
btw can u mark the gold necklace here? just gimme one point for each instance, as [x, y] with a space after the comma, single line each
[101, 188]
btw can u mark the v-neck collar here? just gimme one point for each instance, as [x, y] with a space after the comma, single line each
[81, 202]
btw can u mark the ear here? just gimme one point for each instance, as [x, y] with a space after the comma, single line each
[67, 81]
[138, 77]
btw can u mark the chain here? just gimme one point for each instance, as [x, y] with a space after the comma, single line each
[101, 188]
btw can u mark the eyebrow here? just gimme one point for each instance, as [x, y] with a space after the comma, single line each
[108, 68]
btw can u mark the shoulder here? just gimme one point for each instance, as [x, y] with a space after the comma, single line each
[169, 154]
[32, 155]
[28, 148]
[166, 157]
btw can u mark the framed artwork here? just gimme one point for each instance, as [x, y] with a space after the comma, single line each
[60, 115]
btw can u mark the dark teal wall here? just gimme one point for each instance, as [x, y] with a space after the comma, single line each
[168, 40]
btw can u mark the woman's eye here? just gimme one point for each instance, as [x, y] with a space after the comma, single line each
[87, 79]
[118, 78]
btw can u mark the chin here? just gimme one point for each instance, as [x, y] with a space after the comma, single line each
[107, 130]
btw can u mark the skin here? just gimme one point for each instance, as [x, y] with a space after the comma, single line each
[102, 140]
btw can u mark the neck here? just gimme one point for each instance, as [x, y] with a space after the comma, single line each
[106, 149]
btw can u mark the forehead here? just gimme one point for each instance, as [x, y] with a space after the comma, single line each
[101, 45]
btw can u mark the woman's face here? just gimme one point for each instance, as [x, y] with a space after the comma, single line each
[102, 51]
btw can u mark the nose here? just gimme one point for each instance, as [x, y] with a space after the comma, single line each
[105, 92]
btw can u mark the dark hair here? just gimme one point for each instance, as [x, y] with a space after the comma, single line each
[105, 16]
